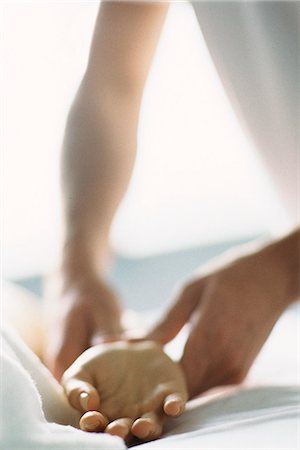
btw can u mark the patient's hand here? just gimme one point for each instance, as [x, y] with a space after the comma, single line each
[127, 387]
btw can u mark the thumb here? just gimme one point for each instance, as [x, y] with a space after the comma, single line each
[81, 393]
[178, 313]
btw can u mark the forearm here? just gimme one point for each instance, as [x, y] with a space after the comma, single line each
[100, 141]
[98, 155]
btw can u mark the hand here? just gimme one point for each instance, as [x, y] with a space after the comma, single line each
[86, 313]
[127, 387]
[232, 305]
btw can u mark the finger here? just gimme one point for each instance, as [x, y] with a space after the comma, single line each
[174, 404]
[148, 426]
[81, 393]
[178, 314]
[71, 339]
[93, 421]
[120, 427]
[195, 361]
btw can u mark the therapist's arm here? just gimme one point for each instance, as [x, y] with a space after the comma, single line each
[98, 155]
[232, 304]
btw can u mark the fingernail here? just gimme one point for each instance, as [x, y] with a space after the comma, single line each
[83, 399]
[92, 426]
[176, 408]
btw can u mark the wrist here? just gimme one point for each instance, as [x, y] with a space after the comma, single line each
[81, 259]
[89, 294]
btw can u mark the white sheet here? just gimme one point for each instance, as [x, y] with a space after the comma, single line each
[256, 418]
[263, 414]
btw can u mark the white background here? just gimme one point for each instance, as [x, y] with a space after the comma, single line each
[196, 181]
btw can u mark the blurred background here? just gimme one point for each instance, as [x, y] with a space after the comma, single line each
[198, 185]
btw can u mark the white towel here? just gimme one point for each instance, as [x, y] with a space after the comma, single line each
[33, 407]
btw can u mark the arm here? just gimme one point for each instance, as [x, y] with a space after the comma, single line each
[100, 141]
[98, 156]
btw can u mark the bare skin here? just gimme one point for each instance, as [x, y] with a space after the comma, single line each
[87, 312]
[125, 389]
[98, 155]
[232, 305]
